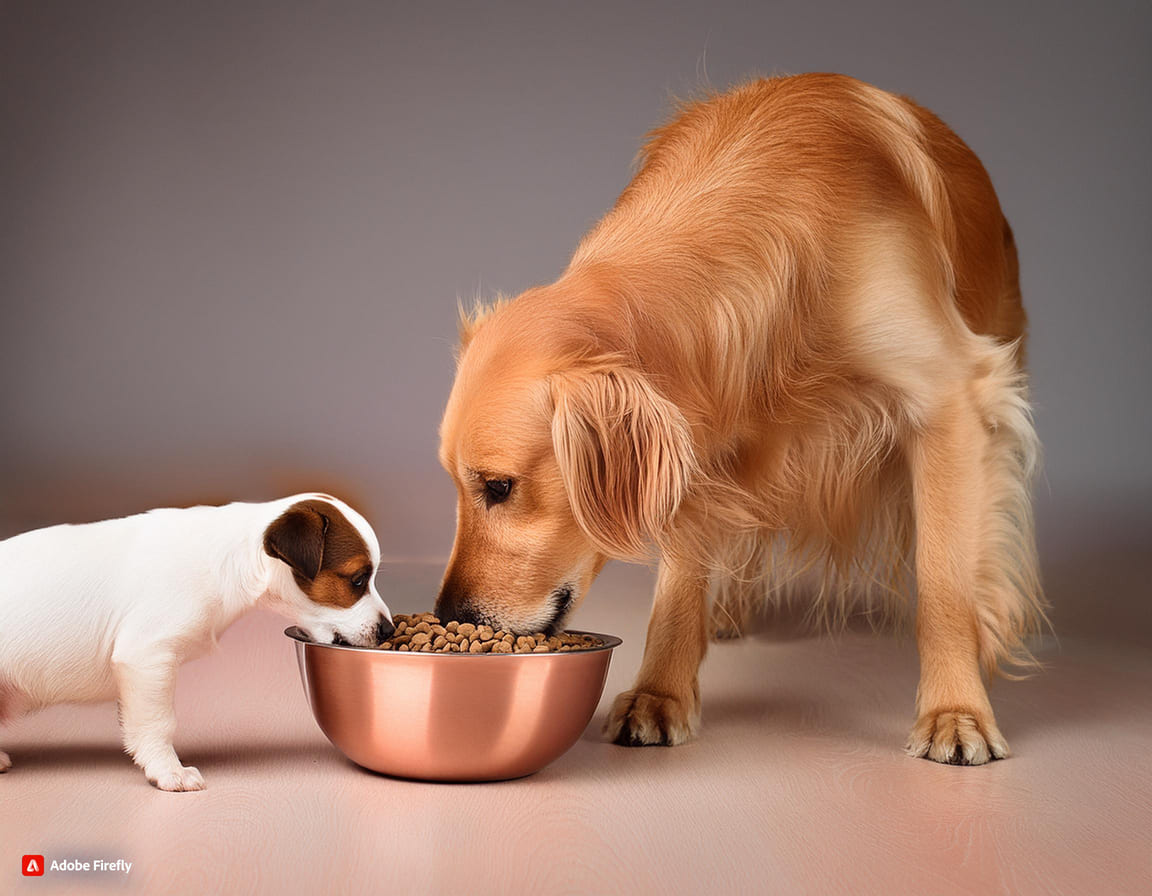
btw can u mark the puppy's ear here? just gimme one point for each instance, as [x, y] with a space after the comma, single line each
[625, 455]
[297, 538]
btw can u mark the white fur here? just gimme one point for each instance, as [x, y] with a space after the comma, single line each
[112, 609]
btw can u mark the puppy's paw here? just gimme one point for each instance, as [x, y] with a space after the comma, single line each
[639, 719]
[5, 762]
[178, 780]
[957, 737]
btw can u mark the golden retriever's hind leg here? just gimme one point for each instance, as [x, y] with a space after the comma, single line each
[951, 494]
[663, 706]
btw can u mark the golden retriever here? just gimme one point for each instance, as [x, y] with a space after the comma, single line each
[795, 345]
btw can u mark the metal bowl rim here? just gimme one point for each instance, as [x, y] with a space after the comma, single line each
[611, 642]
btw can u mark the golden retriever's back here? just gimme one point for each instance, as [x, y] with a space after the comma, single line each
[789, 156]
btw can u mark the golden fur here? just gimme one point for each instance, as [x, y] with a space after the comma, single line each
[793, 350]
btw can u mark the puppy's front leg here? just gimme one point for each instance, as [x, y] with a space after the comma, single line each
[664, 705]
[148, 720]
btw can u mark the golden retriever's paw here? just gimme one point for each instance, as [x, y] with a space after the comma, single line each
[641, 719]
[957, 737]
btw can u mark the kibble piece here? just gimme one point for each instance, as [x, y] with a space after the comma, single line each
[466, 629]
[420, 639]
[424, 627]
[501, 647]
[439, 642]
[403, 647]
[543, 648]
[438, 629]
[452, 626]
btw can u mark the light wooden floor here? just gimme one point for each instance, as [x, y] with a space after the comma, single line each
[797, 784]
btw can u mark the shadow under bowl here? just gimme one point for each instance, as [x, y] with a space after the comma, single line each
[452, 716]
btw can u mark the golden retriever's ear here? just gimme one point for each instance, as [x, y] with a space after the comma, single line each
[470, 320]
[625, 455]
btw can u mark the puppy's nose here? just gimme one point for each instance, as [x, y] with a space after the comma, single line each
[384, 629]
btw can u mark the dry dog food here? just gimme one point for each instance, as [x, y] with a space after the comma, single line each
[424, 633]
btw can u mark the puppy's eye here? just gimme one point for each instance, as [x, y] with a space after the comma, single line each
[360, 581]
[496, 491]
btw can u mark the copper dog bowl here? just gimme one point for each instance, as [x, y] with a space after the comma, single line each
[451, 716]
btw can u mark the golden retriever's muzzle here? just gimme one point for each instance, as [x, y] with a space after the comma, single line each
[561, 600]
[454, 603]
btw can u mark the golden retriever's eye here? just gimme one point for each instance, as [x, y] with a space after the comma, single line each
[496, 491]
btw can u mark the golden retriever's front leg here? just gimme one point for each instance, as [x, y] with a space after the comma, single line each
[952, 498]
[664, 705]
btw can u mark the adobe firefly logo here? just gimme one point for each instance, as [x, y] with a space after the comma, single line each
[32, 866]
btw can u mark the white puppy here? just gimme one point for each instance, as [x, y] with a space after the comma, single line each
[111, 609]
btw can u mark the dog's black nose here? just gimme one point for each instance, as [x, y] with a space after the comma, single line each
[384, 630]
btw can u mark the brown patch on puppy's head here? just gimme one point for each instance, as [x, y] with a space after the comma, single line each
[327, 554]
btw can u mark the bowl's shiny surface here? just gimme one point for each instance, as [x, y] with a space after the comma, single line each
[451, 716]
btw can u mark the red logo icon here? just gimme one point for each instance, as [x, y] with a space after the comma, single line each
[32, 866]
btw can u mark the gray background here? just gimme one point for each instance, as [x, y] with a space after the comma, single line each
[234, 235]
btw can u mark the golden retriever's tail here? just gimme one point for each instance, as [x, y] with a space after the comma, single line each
[1010, 603]
[894, 122]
